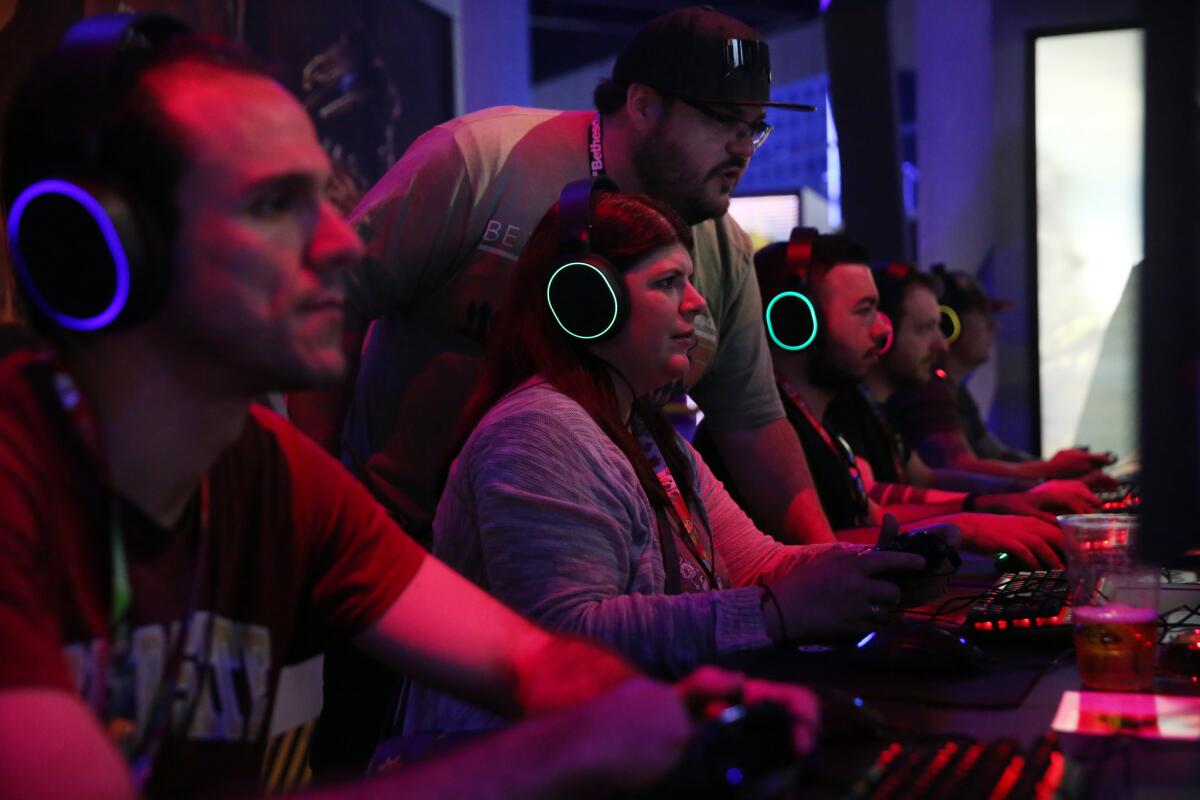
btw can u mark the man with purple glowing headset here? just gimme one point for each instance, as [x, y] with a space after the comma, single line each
[166, 546]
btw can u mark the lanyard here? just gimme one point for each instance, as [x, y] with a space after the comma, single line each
[595, 145]
[841, 449]
[120, 668]
[895, 442]
[683, 515]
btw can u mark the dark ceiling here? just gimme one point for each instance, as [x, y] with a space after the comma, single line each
[570, 33]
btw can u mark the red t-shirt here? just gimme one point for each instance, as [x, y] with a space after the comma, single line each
[299, 557]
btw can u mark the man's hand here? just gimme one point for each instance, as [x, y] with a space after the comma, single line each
[631, 736]
[708, 686]
[1035, 543]
[835, 594]
[627, 739]
[1043, 501]
[1075, 462]
[1072, 497]
[1100, 481]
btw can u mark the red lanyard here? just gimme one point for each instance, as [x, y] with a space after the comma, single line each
[683, 514]
[816, 424]
[840, 449]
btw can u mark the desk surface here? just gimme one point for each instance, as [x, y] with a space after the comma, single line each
[1104, 767]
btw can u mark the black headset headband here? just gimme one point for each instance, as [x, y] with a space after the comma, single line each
[791, 317]
[82, 247]
[800, 254]
[585, 294]
[575, 213]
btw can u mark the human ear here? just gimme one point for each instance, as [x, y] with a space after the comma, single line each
[644, 106]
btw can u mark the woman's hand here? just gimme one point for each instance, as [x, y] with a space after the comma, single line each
[836, 593]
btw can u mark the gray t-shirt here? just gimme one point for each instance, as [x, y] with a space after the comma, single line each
[444, 228]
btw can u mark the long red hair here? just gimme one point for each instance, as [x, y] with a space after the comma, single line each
[528, 341]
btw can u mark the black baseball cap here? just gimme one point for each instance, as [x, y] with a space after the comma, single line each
[962, 292]
[701, 55]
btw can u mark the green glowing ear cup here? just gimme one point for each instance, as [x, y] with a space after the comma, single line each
[587, 299]
[586, 294]
[791, 321]
[951, 325]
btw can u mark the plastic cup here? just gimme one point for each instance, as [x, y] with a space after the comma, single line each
[1096, 544]
[1114, 646]
[1116, 630]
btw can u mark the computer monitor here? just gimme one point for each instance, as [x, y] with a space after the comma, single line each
[1117, 280]
[1169, 382]
[766, 217]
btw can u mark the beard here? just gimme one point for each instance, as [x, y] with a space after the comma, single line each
[664, 173]
[827, 371]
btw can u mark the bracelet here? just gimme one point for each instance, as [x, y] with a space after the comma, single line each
[770, 595]
[968, 503]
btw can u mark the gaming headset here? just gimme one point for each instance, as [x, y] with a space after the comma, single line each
[890, 277]
[950, 323]
[86, 253]
[791, 315]
[586, 294]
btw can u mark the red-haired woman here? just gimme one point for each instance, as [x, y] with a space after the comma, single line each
[574, 502]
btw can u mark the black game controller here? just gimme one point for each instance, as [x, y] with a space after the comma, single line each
[941, 559]
[732, 754]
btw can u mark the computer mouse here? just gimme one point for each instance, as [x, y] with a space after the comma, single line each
[916, 647]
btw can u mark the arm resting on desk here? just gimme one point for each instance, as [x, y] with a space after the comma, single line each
[488, 655]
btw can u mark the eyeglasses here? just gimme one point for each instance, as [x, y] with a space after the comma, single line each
[756, 131]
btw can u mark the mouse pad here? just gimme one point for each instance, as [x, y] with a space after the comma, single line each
[990, 686]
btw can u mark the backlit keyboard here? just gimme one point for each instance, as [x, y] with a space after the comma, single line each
[962, 768]
[1023, 601]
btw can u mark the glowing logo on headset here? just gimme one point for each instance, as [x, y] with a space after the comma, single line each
[955, 324]
[111, 240]
[891, 333]
[603, 279]
[771, 325]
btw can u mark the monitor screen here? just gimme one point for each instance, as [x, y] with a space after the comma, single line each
[767, 218]
[1089, 235]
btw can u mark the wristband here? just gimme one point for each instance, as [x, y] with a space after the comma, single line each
[770, 595]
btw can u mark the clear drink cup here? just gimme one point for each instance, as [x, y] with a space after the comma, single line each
[1096, 545]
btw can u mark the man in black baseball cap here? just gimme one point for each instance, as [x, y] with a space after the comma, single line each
[700, 55]
[970, 328]
[715, 66]
[679, 119]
